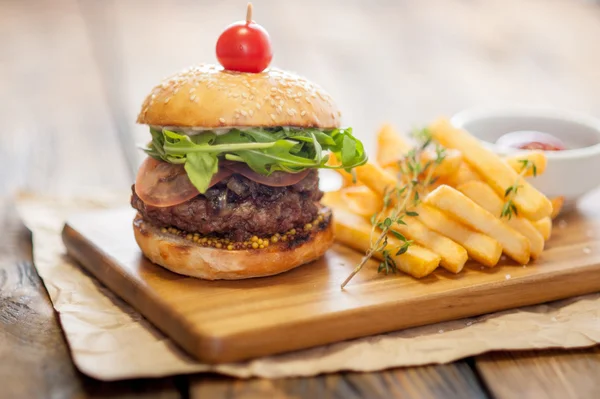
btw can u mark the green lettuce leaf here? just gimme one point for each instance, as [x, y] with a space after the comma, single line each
[265, 151]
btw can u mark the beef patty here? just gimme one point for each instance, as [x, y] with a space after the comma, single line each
[239, 208]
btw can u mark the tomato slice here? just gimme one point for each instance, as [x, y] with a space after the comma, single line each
[162, 184]
[275, 179]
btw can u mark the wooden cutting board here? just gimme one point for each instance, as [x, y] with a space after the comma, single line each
[225, 321]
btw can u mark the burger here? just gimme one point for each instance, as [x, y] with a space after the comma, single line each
[230, 187]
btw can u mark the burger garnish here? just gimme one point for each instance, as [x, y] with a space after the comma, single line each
[263, 150]
[244, 46]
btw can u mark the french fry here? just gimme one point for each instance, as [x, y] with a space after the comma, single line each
[334, 200]
[537, 157]
[355, 232]
[451, 162]
[469, 213]
[529, 201]
[480, 247]
[484, 196]
[449, 165]
[347, 179]
[374, 177]
[453, 256]
[391, 146]
[464, 174]
[544, 226]
[557, 204]
[361, 200]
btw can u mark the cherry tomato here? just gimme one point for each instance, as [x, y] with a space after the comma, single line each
[531, 140]
[244, 46]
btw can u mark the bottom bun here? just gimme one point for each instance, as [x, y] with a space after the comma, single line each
[181, 255]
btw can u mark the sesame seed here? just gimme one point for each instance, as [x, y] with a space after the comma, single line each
[273, 116]
[302, 113]
[440, 331]
[192, 90]
[244, 113]
[167, 99]
[222, 120]
[251, 112]
[587, 250]
[507, 277]
[553, 319]
[469, 323]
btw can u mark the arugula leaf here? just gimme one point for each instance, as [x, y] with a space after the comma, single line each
[200, 168]
[265, 150]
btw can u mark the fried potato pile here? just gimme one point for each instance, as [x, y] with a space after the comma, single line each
[465, 203]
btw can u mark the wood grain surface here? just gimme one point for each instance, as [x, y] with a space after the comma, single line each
[228, 321]
[550, 374]
[73, 74]
[35, 359]
[447, 381]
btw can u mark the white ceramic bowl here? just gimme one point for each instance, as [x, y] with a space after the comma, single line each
[570, 173]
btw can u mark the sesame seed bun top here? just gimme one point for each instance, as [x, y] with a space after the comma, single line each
[206, 96]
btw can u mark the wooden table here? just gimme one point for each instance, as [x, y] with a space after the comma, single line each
[72, 76]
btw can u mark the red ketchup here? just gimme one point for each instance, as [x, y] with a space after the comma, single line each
[531, 140]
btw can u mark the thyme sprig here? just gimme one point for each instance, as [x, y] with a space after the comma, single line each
[414, 179]
[509, 209]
